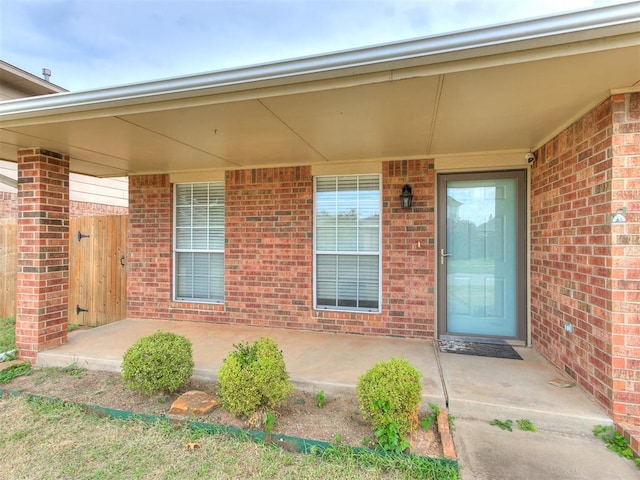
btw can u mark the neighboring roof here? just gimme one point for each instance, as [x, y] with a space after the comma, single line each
[16, 83]
[502, 88]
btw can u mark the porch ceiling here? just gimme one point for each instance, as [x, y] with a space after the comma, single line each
[495, 96]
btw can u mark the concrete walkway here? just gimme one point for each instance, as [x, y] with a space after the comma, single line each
[476, 389]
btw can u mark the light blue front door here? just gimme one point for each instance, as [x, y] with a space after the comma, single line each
[481, 254]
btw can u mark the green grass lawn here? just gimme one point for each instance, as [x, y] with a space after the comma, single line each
[52, 440]
[7, 334]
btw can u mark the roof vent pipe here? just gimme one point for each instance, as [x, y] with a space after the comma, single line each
[46, 73]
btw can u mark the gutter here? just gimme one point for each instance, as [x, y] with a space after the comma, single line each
[592, 24]
[8, 181]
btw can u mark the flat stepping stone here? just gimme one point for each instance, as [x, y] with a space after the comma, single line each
[10, 363]
[193, 403]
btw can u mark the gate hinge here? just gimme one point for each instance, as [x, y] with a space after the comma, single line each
[80, 310]
[82, 235]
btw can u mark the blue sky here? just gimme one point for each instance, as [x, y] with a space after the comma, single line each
[99, 43]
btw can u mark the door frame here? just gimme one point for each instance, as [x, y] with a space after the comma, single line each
[521, 256]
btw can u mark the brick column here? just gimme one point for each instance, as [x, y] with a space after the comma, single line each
[625, 263]
[43, 251]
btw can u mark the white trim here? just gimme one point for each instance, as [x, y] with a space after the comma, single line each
[336, 169]
[481, 161]
[197, 177]
[633, 89]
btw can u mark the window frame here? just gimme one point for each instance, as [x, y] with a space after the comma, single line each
[176, 250]
[356, 253]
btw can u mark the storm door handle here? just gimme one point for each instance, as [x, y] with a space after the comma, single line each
[442, 255]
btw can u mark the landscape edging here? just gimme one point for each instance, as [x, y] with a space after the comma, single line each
[293, 444]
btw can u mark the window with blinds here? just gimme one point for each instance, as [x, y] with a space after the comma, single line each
[347, 242]
[199, 242]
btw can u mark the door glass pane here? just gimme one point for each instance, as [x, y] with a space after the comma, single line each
[481, 268]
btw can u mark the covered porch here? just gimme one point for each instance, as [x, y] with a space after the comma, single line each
[471, 386]
[476, 389]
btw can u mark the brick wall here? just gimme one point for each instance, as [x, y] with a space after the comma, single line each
[625, 260]
[87, 209]
[269, 254]
[570, 257]
[149, 246]
[8, 205]
[408, 239]
[43, 251]
[586, 269]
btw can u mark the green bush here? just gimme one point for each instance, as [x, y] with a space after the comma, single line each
[253, 377]
[389, 395]
[161, 362]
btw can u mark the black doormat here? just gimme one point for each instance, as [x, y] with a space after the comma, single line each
[495, 350]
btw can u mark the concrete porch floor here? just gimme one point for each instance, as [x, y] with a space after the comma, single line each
[476, 389]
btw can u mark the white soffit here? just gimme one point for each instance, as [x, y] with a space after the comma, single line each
[237, 133]
[514, 106]
[383, 120]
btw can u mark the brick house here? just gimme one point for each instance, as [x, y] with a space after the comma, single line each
[271, 195]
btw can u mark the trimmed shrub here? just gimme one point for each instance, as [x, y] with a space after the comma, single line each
[161, 362]
[253, 377]
[389, 395]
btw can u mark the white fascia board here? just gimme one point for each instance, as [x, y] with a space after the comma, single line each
[542, 32]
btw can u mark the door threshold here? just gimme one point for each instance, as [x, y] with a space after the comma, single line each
[494, 340]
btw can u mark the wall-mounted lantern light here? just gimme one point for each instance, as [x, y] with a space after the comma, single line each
[406, 197]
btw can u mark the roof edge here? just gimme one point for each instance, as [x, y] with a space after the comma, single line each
[539, 28]
[20, 74]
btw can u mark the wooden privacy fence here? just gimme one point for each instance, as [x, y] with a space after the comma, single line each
[8, 267]
[97, 269]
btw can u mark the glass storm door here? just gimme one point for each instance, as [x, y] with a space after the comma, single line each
[482, 255]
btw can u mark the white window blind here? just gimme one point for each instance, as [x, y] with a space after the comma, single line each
[347, 242]
[199, 242]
